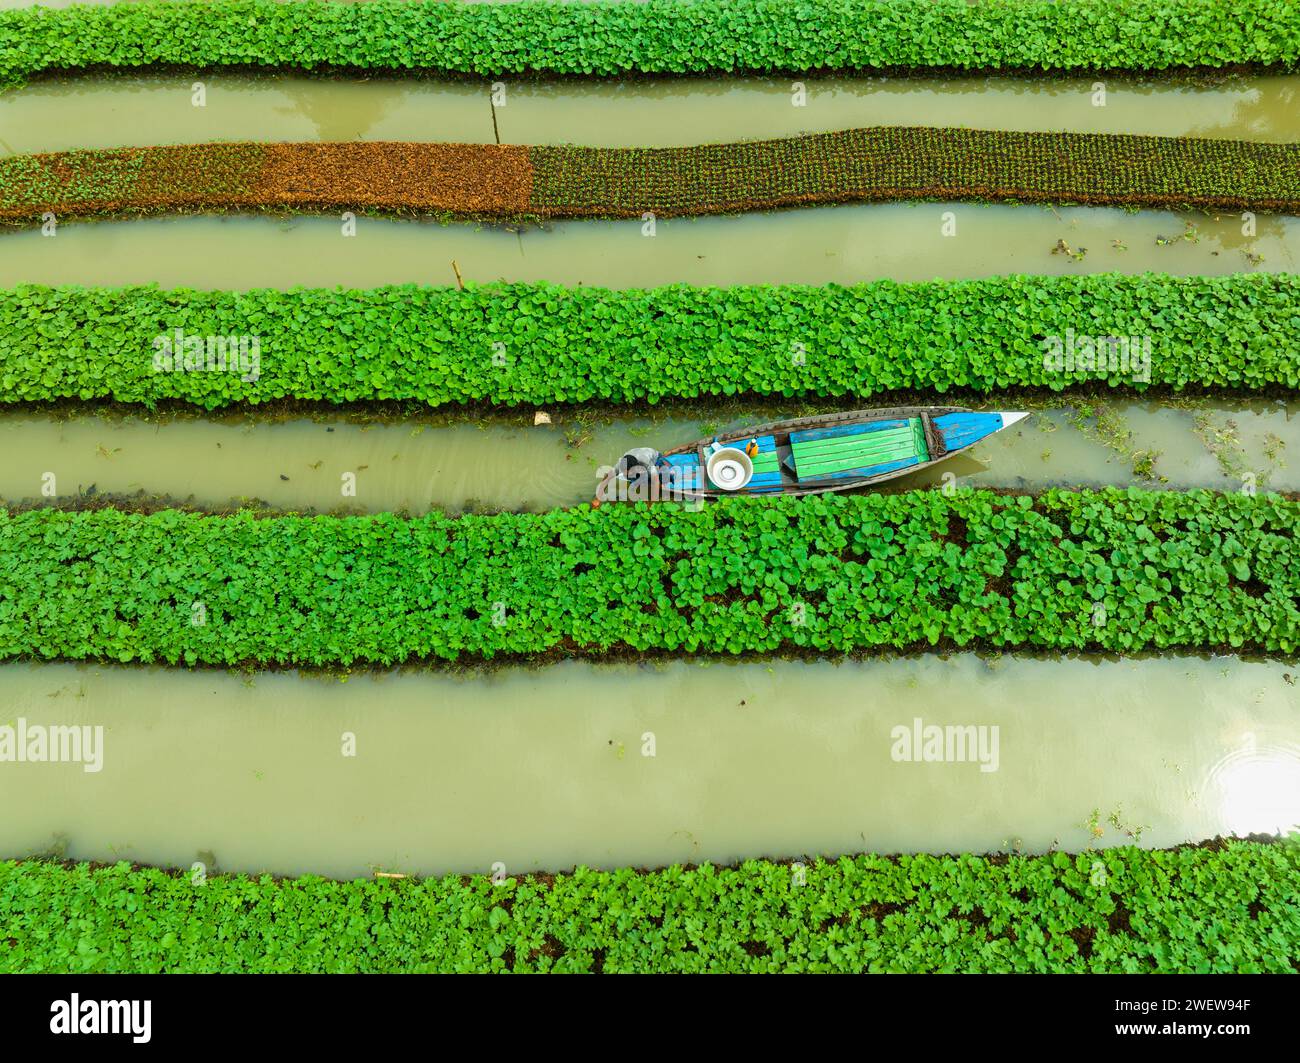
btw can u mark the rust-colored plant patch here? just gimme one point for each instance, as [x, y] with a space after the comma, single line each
[469, 179]
[442, 178]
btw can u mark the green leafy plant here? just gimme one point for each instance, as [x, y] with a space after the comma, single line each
[658, 36]
[1225, 906]
[820, 575]
[540, 344]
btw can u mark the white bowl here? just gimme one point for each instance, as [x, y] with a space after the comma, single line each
[729, 469]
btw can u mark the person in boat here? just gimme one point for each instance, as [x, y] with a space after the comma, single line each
[639, 469]
[631, 475]
[637, 463]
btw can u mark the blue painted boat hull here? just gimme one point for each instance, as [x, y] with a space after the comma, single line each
[827, 445]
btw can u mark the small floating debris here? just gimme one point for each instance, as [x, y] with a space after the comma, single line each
[1062, 248]
[541, 417]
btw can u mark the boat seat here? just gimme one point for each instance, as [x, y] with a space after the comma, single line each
[767, 468]
[686, 471]
[851, 452]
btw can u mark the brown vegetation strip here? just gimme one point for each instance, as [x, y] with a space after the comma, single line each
[471, 179]
[489, 180]
[450, 178]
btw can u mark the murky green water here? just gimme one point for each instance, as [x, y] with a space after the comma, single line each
[68, 113]
[548, 769]
[71, 113]
[842, 245]
[414, 467]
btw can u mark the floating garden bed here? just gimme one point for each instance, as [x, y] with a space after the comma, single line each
[511, 182]
[1114, 570]
[470, 179]
[657, 37]
[1224, 906]
[900, 162]
[513, 344]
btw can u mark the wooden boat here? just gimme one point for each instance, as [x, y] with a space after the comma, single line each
[803, 456]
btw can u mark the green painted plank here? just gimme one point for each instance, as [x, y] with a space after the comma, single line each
[887, 437]
[902, 446]
[922, 447]
[850, 459]
[843, 465]
[858, 451]
[861, 456]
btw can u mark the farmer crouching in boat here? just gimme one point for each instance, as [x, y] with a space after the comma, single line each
[637, 463]
[636, 478]
[638, 474]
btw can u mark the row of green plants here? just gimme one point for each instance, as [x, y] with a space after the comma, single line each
[886, 163]
[521, 344]
[1111, 570]
[899, 162]
[128, 180]
[658, 36]
[1227, 906]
